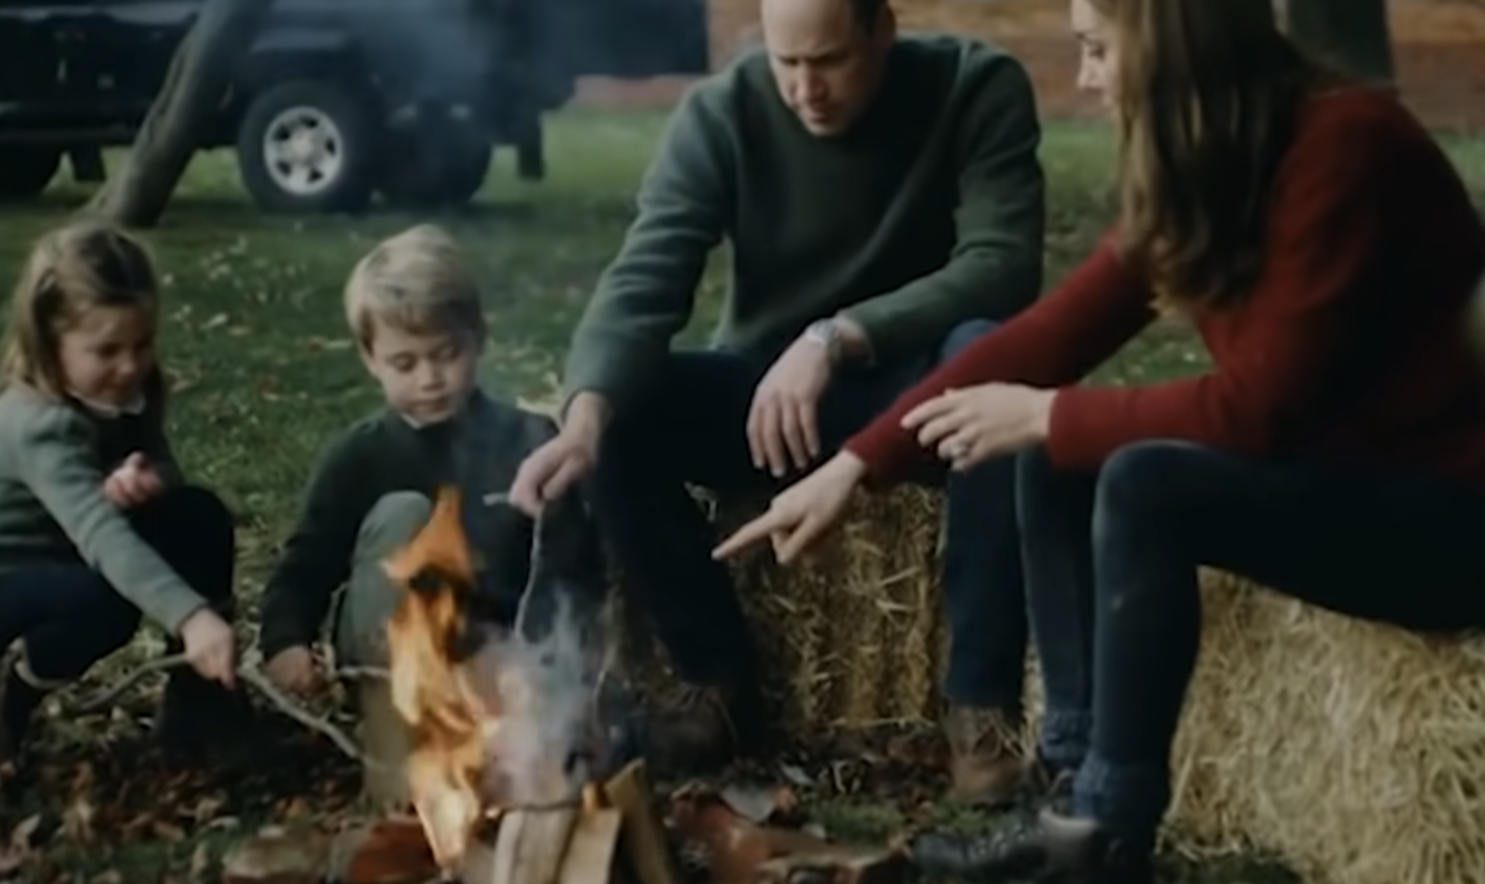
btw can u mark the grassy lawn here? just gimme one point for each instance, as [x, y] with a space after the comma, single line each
[255, 334]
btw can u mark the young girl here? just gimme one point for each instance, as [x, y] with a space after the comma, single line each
[1326, 249]
[96, 525]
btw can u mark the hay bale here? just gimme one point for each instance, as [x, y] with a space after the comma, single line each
[854, 636]
[1353, 752]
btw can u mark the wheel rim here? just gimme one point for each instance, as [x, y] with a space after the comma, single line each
[303, 150]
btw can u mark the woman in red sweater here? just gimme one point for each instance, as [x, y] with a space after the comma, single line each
[1326, 250]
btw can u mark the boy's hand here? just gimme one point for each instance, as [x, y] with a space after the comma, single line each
[133, 482]
[211, 648]
[294, 669]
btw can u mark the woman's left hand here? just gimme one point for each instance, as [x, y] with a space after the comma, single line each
[969, 426]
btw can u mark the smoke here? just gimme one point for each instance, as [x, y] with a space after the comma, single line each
[555, 731]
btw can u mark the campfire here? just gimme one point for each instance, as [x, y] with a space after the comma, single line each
[509, 766]
[506, 741]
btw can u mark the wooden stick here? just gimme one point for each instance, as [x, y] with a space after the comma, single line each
[642, 837]
[253, 677]
[161, 664]
[538, 842]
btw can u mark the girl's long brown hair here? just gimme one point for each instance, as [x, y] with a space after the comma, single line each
[1209, 92]
[70, 270]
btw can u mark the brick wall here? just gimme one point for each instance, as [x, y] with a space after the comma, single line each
[1439, 47]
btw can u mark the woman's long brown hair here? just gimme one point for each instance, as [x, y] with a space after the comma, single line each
[1208, 95]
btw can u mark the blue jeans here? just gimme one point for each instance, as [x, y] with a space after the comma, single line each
[691, 428]
[1111, 575]
[70, 617]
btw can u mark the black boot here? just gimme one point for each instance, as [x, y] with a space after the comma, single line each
[1078, 851]
[1012, 851]
[200, 720]
[19, 701]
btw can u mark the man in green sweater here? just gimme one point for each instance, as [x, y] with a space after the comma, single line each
[884, 205]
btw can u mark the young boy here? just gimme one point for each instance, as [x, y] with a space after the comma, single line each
[414, 309]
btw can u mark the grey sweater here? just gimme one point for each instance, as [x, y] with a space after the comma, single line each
[927, 214]
[54, 458]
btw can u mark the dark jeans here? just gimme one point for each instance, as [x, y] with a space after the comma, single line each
[70, 617]
[691, 429]
[1111, 573]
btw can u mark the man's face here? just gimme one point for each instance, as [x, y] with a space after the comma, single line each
[827, 63]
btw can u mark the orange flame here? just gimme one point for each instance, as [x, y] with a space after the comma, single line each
[447, 717]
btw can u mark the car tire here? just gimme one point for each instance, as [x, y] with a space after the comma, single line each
[307, 147]
[434, 169]
[26, 170]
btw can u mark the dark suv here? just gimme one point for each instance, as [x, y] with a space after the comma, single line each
[336, 99]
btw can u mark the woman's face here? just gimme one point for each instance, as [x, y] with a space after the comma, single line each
[1098, 54]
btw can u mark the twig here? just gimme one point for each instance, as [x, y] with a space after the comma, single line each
[170, 661]
[254, 677]
[288, 707]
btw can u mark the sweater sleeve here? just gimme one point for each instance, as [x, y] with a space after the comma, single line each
[646, 296]
[56, 461]
[156, 446]
[995, 268]
[1324, 244]
[1055, 342]
[316, 558]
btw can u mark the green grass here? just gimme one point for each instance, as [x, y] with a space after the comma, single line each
[255, 333]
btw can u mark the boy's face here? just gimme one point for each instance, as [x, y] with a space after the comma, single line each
[425, 376]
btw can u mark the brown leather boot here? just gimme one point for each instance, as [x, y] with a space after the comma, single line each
[986, 763]
[700, 728]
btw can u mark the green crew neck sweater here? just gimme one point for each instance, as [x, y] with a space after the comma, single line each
[479, 451]
[927, 213]
[54, 458]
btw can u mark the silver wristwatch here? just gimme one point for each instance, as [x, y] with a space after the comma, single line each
[826, 333]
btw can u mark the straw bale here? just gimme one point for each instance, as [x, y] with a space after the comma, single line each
[853, 637]
[1353, 752]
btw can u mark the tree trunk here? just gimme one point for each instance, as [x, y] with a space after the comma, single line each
[1350, 34]
[137, 194]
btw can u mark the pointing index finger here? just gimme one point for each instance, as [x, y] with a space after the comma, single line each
[746, 536]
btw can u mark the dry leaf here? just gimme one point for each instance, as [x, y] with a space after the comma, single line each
[200, 864]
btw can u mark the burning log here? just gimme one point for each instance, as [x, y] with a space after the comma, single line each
[596, 840]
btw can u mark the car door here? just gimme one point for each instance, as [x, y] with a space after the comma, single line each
[117, 54]
[31, 65]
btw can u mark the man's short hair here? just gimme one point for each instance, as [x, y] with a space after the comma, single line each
[868, 11]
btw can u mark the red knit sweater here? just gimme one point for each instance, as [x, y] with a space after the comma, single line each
[1353, 344]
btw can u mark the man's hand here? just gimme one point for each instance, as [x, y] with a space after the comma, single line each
[566, 459]
[133, 482]
[783, 423]
[294, 669]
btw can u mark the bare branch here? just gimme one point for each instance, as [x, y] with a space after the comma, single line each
[106, 696]
[288, 707]
[255, 678]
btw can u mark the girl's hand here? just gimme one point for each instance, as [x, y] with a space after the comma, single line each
[133, 482]
[969, 426]
[801, 513]
[211, 648]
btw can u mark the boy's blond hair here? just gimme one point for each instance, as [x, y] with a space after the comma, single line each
[417, 281]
